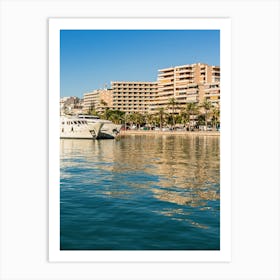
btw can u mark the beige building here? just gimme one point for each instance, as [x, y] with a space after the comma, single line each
[212, 92]
[97, 100]
[187, 83]
[132, 97]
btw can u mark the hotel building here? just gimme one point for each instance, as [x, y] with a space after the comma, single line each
[97, 100]
[133, 97]
[187, 83]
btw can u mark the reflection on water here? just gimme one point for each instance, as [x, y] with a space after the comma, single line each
[122, 194]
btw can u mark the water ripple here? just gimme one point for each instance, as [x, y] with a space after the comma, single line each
[140, 193]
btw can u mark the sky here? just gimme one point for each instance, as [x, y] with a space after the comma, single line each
[91, 59]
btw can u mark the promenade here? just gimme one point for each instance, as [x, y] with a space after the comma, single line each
[158, 132]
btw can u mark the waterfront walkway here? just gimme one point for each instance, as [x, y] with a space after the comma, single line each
[158, 132]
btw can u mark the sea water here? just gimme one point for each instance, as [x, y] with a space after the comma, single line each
[140, 192]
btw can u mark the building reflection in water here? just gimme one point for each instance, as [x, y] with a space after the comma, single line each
[182, 170]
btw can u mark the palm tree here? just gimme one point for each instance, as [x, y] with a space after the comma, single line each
[116, 116]
[190, 111]
[216, 116]
[173, 104]
[149, 120]
[137, 118]
[160, 113]
[104, 105]
[206, 105]
[184, 117]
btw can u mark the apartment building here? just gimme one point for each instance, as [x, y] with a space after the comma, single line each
[187, 83]
[133, 97]
[97, 100]
[211, 92]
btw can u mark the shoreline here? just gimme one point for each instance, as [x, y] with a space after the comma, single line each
[153, 132]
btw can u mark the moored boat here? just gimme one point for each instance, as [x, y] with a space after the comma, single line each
[108, 130]
[75, 128]
[87, 127]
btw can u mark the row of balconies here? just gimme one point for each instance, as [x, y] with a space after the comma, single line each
[186, 85]
[188, 79]
[129, 108]
[165, 76]
[118, 95]
[132, 101]
[184, 74]
[183, 68]
[212, 91]
[186, 89]
[133, 85]
[126, 97]
[212, 87]
[130, 105]
[212, 94]
[165, 82]
[184, 77]
[166, 95]
[134, 90]
[187, 93]
[166, 91]
[180, 88]
[170, 84]
[127, 94]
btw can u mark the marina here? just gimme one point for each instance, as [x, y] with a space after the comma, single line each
[139, 146]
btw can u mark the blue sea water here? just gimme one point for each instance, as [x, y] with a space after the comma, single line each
[140, 193]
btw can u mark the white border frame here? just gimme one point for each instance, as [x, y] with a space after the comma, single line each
[55, 254]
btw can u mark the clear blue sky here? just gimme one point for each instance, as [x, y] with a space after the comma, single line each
[89, 59]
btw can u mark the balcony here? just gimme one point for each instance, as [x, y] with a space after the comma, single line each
[166, 75]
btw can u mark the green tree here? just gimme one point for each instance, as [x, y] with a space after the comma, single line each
[130, 119]
[161, 114]
[116, 116]
[190, 111]
[206, 105]
[173, 105]
[201, 119]
[149, 120]
[137, 119]
[105, 109]
[215, 116]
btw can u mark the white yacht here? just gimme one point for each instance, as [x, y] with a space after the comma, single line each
[108, 130]
[87, 127]
[75, 128]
